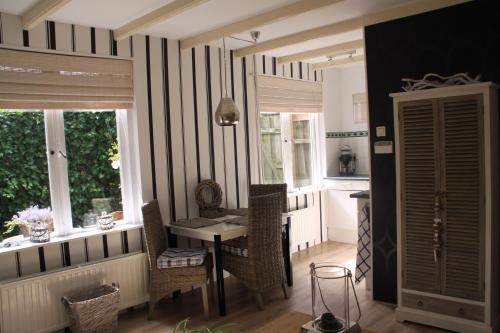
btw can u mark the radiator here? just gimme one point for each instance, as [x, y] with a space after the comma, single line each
[34, 304]
[306, 228]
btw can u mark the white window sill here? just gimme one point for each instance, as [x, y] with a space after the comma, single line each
[86, 233]
[305, 190]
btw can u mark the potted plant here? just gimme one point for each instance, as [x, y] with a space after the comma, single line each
[31, 222]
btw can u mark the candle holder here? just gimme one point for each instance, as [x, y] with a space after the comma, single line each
[39, 232]
[105, 221]
[333, 300]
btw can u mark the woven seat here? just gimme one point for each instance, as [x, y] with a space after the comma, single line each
[237, 246]
[264, 267]
[174, 257]
[163, 282]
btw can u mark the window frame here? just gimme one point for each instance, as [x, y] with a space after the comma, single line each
[57, 165]
[286, 150]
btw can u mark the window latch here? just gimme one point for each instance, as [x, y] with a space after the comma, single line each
[60, 153]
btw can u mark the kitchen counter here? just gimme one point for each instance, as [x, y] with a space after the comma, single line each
[360, 195]
[364, 258]
[354, 177]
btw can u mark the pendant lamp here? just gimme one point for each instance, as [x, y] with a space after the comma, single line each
[227, 113]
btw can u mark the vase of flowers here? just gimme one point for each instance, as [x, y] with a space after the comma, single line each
[33, 222]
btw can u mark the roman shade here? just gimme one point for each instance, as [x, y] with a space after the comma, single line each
[37, 80]
[276, 94]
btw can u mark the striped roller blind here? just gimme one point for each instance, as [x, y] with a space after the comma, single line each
[276, 94]
[36, 80]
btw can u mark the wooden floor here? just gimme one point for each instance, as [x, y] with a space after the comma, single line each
[243, 311]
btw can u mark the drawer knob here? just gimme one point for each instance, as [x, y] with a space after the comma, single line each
[461, 311]
[420, 303]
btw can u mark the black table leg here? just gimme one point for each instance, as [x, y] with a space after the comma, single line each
[287, 255]
[219, 275]
[171, 239]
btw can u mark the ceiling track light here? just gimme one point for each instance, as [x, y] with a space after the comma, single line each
[349, 54]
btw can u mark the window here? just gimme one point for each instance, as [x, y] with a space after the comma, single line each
[272, 154]
[68, 160]
[24, 178]
[301, 149]
[91, 139]
[287, 148]
[289, 111]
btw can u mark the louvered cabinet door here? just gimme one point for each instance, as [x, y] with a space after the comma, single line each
[462, 160]
[418, 139]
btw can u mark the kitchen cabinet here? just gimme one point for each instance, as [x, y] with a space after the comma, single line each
[341, 210]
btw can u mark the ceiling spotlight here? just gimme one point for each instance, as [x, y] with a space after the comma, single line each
[255, 35]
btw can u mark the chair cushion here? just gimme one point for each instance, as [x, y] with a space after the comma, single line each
[237, 246]
[174, 257]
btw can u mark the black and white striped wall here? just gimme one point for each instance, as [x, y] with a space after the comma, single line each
[181, 92]
[176, 95]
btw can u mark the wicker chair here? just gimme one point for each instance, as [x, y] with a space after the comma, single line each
[165, 281]
[264, 268]
[263, 189]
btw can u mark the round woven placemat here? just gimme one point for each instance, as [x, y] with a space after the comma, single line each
[208, 194]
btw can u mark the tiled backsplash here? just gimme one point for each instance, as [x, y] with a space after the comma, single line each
[330, 135]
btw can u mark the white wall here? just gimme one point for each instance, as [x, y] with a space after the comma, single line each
[339, 84]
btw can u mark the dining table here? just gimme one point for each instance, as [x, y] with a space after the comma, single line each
[222, 231]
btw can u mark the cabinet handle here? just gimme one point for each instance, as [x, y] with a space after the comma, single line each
[420, 303]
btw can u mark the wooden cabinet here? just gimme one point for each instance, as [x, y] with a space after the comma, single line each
[447, 183]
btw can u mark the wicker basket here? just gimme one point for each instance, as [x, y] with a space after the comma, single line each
[93, 310]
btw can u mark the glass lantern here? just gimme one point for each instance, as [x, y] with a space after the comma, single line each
[39, 232]
[105, 221]
[335, 306]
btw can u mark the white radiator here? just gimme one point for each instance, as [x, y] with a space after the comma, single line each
[34, 304]
[306, 227]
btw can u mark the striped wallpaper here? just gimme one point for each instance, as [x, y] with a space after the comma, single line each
[176, 94]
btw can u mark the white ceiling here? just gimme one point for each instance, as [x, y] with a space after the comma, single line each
[111, 14]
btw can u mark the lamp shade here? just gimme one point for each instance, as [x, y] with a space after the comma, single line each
[227, 113]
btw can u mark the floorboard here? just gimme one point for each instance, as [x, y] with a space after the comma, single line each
[242, 309]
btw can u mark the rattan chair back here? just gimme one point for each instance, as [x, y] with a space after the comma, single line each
[156, 239]
[265, 251]
[263, 189]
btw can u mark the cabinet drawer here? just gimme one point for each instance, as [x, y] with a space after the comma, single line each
[442, 306]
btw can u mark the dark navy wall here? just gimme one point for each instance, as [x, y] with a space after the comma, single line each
[462, 38]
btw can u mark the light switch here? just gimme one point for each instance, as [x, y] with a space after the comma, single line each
[380, 131]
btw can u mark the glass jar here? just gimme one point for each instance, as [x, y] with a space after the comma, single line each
[39, 232]
[89, 219]
[105, 221]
